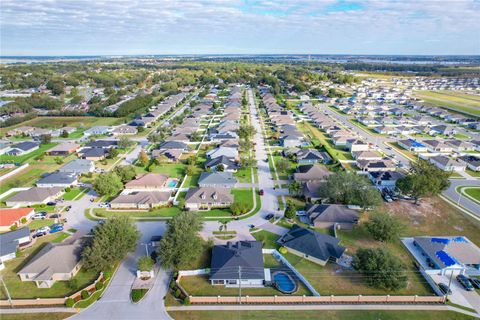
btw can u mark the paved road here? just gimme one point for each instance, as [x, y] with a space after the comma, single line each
[461, 200]
[269, 199]
[115, 302]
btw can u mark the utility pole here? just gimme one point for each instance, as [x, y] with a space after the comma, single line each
[146, 247]
[8, 293]
[240, 284]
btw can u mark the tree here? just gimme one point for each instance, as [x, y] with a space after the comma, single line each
[181, 243]
[246, 144]
[64, 134]
[125, 142]
[108, 184]
[349, 188]
[282, 165]
[238, 208]
[110, 243]
[143, 158]
[380, 268]
[291, 210]
[112, 153]
[58, 160]
[425, 180]
[45, 138]
[56, 86]
[126, 173]
[190, 169]
[247, 162]
[246, 132]
[383, 226]
[145, 263]
[295, 188]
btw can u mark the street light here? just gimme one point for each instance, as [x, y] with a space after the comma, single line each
[146, 246]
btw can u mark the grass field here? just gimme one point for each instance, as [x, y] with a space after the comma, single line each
[474, 193]
[74, 193]
[316, 314]
[455, 101]
[59, 122]
[37, 316]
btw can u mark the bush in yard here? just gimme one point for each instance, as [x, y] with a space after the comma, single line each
[291, 210]
[69, 303]
[72, 284]
[68, 189]
[85, 294]
[23, 220]
[13, 227]
[99, 285]
[186, 301]
[283, 250]
[137, 294]
[177, 293]
[380, 268]
[145, 263]
[107, 274]
[383, 226]
[173, 284]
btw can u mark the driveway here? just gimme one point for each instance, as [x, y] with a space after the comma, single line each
[115, 302]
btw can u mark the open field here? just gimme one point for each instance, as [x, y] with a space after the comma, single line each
[59, 122]
[455, 101]
[37, 316]
[317, 314]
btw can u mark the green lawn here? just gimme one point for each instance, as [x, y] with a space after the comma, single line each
[174, 170]
[28, 289]
[26, 178]
[75, 192]
[317, 314]
[37, 316]
[267, 238]
[473, 173]
[36, 224]
[165, 212]
[244, 175]
[474, 193]
[461, 136]
[459, 102]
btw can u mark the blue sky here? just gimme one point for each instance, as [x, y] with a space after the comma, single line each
[117, 27]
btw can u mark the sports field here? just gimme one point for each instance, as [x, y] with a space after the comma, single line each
[456, 101]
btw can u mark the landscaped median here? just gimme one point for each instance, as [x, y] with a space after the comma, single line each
[472, 193]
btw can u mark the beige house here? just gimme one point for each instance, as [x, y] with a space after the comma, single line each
[55, 262]
[148, 181]
[206, 198]
[143, 200]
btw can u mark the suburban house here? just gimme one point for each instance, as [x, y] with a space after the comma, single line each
[472, 162]
[58, 179]
[357, 145]
[207, 198]
[63, 149]
[457, 254]
[231, 153]
[446, 130]
[311, 191]
[106, 144]
[13, 217]
[78, 167]
[312, 156]
[376, 165]
[34, 195]
[311, 245]
[54, 262]
[437, 146]
[291, 141]
[169, 155]
[233, 258]
[331, 215]
[97, 130]
[412, 145]
[385, 179]
[173, 145]
[228, 164]
[22, 148]
[124, 130]
[311, 173]
[11, 241]
[217, 180]
[148, 181]
[366, 155]
[142, 200]
[93, 154]
[448, 164]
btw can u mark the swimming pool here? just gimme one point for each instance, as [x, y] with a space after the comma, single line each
[172, 183]
[284, 282]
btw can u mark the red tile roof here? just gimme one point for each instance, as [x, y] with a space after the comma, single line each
[10, 216]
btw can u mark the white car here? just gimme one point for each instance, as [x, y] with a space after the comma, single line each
[103, 205]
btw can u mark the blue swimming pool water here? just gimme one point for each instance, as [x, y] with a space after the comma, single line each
[172, 184]
[284, 282]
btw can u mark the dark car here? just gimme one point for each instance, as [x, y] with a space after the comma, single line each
[68, 208]
[251, 226]
[269, 216]
[464, 281]
[444, 288]
[51, 203]
[475, 282]
[261, 192]
[55, 216]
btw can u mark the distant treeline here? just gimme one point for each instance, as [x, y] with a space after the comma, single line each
[419, 69]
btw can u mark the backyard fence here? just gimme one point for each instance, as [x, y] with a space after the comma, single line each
[386, 299]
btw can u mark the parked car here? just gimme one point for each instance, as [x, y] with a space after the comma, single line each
[251, 226]
[103, 205]
[464, 281]
[475, 282]
[39, 215]
[51, 203]
[57, 227]
[41, 232]
[55, 216]
[261, 192]
[444, 288]
[68, 208]
[269, 216]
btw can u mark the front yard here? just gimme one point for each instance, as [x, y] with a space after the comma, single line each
[74, 193]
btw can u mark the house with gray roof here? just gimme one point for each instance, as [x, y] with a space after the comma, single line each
[223, 151]
[314, 246]
[311, 173]
[58, 179]
[11, 241]
[448, 164]
[217, 180]
[78, 166]
[312, 156]
[455, 253]
[206, 198]
[246, 256]
[54, 262]
[329, 215]
[228, 164]
[97, 130]
[472, 162]
[22, 148]
[143, 200]
[93, 154]
[34, 195]
[170, 145]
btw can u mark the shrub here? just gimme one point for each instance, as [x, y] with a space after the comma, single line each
[85, 294]
[145, 263]
[186, 301]
[107, 274]
[69, 303]
[173, 284]
[137, 294]
[23, 220]
[283, 250]
[72, 284]
[13, 227]
[177, 293]
[99, 285]
[67, 189]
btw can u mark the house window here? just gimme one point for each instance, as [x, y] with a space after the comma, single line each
[231, 281]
